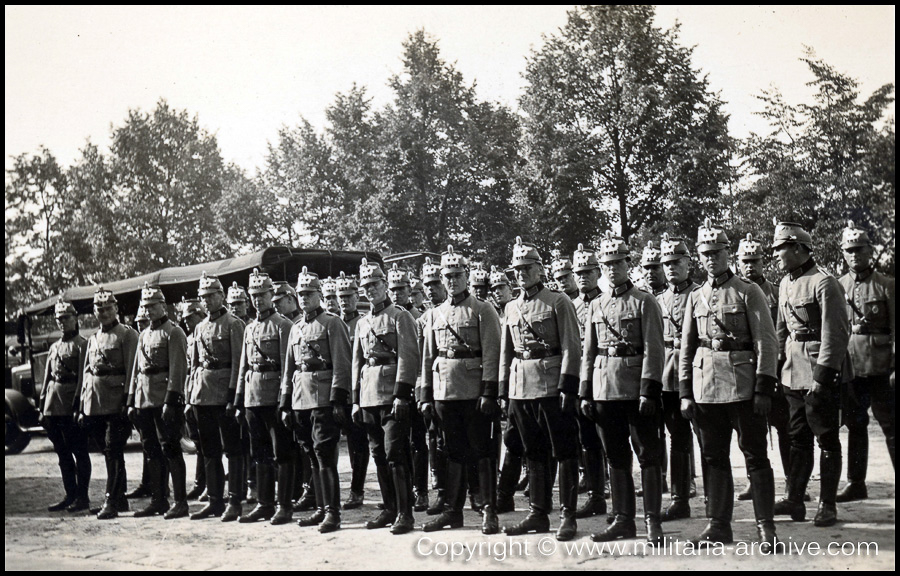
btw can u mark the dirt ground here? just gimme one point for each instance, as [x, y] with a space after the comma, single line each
[39, 540]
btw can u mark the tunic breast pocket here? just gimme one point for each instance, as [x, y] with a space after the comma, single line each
[544, 325]
[159, 354]
[386, 338]
[735, 318]
[270, 349]
[703, 320]
[468, 329]
[220, 346]
[876, 313]
[111, 356]
[630, 329]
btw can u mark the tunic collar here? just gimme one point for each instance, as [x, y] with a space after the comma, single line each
[802, 269]
[154, 324]
[456, 299]
[381, 306]
[622, 288]
[264, 314]
[533, 291]
[862, 275]
[310, 316]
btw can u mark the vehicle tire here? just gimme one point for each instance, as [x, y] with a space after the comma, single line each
[14, 438]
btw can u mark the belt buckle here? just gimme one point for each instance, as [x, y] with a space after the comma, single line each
[676, 343]
[856, 328]
[526, 355]
[717, 344]
[451, 353]
[612, 350]
[370, 361]
[304, 367]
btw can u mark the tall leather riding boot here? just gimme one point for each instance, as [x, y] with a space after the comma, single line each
[305, 492]
[402, 477]
[157, 480]
[651, 480]
[114, 499]
[359, 463]
[594, 475]
[506, 486]
[284, 511]
[83, 471]
[539, 500]
[70, 483]
[178, 471]
[236, 488]
[143, 489]
[568, 499]
[762, 485]
[452, 515]
[487, 479]
[440, 466]
[215, 480]
[476, 502]
[331, 493]
[719, 507]
[621, 485]
[857, 463]
[801, 469]
[420, 477]
[199, 476]
[830, 474]
[388, 496]
[681, 487]
[265, 489]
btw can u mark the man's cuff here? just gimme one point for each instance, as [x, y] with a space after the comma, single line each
[285, 403]
[826, 376]
[686, 390]
[489, 389]
[568, 383]
[586, 390]
[765, 384]
[129, 403]
[404, 391]
[340, 396]
[651, 388]
[229, 396]
[503, 389]
[239, 400]
[174, 398]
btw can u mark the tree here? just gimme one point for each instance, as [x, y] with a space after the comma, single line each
[243, 215]
[446, 159]
[823, 164]
[168, 175]
[37, 214]
[619, 128]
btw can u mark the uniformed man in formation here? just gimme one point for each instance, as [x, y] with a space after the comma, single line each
[436, 293]
[511, 470]
[400, 288]
[813, 336]
[479, 281]
[563, 275]
[330, 296]
[654, 276]
[257, 394]
[156, 404]
[103, 405]
[58, 406]
[749, 263]
[315, 394]
[621, 386]
[727, 373]
[189, 313]
[586, 271]
[870, 303]
[357, 439]
[539, 362]
[385, 365]
[215, 354]
[459, 381]
[675, 260]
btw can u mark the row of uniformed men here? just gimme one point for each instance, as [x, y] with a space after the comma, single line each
[726, 376]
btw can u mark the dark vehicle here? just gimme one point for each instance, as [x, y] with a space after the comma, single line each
[24, 381]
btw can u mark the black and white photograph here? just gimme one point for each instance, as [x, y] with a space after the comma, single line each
[403, 288]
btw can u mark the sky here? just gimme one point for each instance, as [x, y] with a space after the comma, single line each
[73, 72]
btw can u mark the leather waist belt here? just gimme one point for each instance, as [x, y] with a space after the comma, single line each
[457, 354]
[805, 337]
[673, 344]
[722, 345]
[314, 366]
[72, 379]
[863, 329]
[375, 361]
[106, 371]
[150, 370]
[538, 354]
[262, 368]
[619, 349]
[210, 365]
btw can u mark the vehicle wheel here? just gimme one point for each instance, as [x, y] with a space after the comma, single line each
[14, 439]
